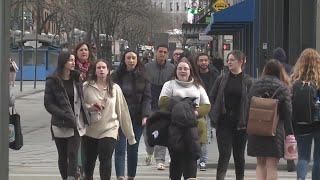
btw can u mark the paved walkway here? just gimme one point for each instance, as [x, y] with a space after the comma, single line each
[27, 88]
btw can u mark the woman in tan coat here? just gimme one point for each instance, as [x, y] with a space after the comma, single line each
[108, 111]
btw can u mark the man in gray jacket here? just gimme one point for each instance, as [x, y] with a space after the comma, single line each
[158, 72]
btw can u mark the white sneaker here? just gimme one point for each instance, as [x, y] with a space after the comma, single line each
[160, 166]
[148, 160]
[202, 166]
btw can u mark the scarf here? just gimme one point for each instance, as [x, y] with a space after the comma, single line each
[83, 67]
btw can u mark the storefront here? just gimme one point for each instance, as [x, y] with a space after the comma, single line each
[259, 26]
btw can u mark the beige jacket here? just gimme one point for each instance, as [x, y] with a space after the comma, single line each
[115, 113]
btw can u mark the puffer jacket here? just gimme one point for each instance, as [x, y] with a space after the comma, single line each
[216, 96]
[268, 84]
[183, 132]
[57, 103]
[137, 92]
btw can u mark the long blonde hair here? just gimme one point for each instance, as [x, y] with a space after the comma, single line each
[307, 67]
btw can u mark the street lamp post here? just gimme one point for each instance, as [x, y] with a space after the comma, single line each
[4, 91]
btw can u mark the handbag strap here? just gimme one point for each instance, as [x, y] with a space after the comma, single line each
[275, 92]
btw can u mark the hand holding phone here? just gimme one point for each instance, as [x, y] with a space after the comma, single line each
[98, 106]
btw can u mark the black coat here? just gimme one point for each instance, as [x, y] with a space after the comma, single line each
[214, 73]
[57, 103]
[272, 146]
[157, 128]
[216, 96]
[183, 132]
[137, 92]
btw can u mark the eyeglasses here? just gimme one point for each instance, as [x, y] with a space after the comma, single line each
[177, 54]
[183, 68]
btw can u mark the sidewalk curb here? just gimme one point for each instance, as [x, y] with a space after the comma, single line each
[28, 93]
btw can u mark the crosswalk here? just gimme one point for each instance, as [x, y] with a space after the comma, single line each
[143, 173]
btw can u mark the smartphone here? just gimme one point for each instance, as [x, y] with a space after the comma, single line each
[97, 106]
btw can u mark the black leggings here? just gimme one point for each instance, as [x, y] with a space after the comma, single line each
[181, 163]
[229, 139]
[102, 148]
[67, 154]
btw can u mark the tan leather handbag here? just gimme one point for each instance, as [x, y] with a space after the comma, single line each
[263, 116]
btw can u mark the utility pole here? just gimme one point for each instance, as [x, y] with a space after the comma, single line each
[21, 44]
[4, 90]
[36, 53]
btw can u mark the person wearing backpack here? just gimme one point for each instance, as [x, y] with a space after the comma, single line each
[306, 85]
[269, 149]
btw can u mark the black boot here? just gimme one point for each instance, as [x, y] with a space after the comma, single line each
[291, 167]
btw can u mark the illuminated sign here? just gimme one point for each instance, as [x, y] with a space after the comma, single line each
[220, 5]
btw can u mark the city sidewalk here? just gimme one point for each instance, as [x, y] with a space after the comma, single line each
[250, 161]
[28, 89]
[213, 155]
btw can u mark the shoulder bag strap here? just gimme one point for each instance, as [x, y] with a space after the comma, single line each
[275, 92]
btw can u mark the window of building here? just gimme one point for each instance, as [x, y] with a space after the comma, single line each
[155, 5]
[185, 6]
[161, 6]
[171, 9]
[177, 4]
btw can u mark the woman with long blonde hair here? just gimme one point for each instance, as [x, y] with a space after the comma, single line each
[307, 69]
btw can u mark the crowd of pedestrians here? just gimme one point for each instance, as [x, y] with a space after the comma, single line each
[97, 112]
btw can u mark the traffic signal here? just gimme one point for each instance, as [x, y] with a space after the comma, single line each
[226, 47]
[194, 7]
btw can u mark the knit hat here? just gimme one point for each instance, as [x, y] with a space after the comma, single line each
[279, 54]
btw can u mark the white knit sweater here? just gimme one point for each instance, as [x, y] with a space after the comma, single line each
[185, 89]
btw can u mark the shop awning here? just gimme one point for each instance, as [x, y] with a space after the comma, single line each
[240, 13]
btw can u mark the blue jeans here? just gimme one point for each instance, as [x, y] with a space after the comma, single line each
[204, 147]
[132, 152]
[304, 155]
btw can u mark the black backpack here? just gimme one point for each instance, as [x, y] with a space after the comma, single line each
[304, 97]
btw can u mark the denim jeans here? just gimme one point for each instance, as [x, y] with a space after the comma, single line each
[149, 149]
[204, 147]
[132, 152]
[304, 155]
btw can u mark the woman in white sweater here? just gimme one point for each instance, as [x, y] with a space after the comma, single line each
[108, 110]
[185, 84]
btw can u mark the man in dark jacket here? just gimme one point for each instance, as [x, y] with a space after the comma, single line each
[208, 76]
[280, 55]
[159, 72]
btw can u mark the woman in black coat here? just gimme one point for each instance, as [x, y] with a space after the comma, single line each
[269, 149]
[63, 99]
[229, 114]
[132, 79]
